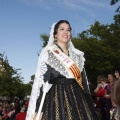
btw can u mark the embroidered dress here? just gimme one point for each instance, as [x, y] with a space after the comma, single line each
[67, 95]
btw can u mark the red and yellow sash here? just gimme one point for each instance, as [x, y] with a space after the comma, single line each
[76, 72]
[70, 64]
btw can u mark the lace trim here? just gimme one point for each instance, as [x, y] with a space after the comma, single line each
[38, 82]
[78, 57]
[57, 65]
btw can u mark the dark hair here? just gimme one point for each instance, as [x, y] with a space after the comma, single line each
[117, 70]
[58, 24]
[104, 79]
[99, 77]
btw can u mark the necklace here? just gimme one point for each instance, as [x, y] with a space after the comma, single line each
[61, 48]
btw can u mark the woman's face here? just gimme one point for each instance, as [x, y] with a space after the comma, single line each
[103, 82]
[63, 33]
[110, 78]
[117, 74]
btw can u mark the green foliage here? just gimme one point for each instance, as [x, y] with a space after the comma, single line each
[11, 83]
[45, 39]
[26, 90]
[101, 45]
[114, 2]
[32, 79]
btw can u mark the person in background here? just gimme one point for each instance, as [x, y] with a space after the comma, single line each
[98, 83]
[109, 88]
[117, 74]
[22, 114]
[1, 112]
[61, 69]
[100, 95]
[115, 97]
[17, 106]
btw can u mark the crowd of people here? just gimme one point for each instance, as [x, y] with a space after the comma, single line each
[106, 96]
[13, 110]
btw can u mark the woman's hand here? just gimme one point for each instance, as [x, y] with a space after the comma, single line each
[41, 114]
[107, 96]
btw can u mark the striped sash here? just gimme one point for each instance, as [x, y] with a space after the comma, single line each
[76, 72]
[70, 64]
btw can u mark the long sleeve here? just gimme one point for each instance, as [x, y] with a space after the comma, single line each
[47, 77]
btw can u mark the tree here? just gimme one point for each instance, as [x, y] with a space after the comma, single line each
[44, 38]
[101, 45]
[32, 79]
[117, 19]
[114, 2]
[10, 80]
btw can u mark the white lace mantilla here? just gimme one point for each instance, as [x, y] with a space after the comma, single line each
[47, 57]
[38, 82]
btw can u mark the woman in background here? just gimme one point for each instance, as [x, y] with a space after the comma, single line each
[109, 88]
[100, 95]
[115, 97]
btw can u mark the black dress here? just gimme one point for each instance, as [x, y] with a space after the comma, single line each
[66, 100]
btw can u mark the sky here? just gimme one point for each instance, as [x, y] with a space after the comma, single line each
[23, 21]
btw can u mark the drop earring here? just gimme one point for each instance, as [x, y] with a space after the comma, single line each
[55, 39]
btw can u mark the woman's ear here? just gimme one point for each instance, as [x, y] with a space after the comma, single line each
[55, 36]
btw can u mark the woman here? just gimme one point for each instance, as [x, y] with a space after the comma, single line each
[60, 64]
[98, 83]
[115, 97]
[109, 88]
[100, 95]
